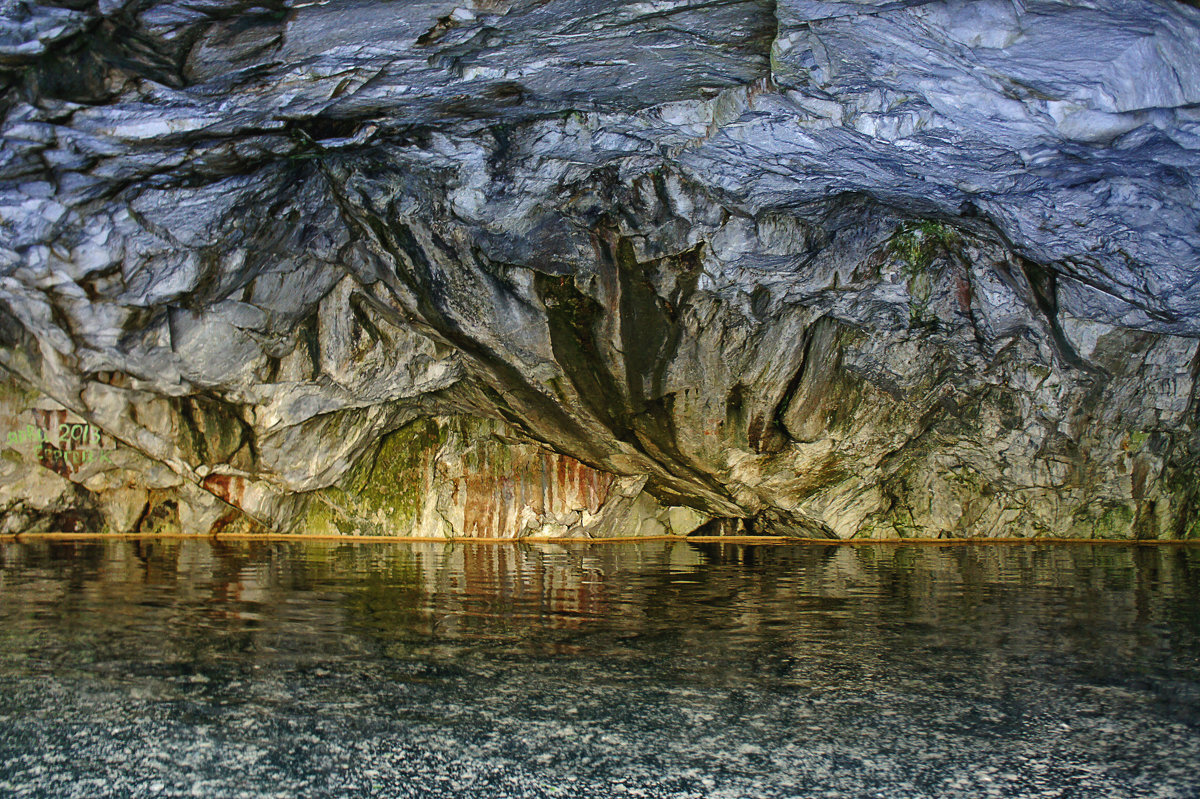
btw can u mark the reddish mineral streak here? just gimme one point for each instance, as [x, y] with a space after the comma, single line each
[228, 487]
[492, 503]
[963, 293]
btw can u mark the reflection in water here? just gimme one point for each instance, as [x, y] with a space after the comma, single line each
[172, 668]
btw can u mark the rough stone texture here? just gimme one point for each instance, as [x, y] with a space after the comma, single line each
[823, 268]
[460, 476]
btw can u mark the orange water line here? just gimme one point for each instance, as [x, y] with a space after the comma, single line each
[739, 540]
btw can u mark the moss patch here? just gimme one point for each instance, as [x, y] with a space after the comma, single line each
[212, 432]
[1183, 484]
[1114, 522]
[16, 391]
[916, 244]
[386, 490]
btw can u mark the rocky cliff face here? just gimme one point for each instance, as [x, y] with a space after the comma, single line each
[577, 267]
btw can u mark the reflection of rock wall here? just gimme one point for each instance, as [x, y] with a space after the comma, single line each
[422, 593]
[428, 588]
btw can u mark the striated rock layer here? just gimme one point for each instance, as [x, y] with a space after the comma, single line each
[579, 267]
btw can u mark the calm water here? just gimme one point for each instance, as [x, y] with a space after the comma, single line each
[159, 668]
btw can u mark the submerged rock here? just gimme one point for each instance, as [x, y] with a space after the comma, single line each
[814, 268]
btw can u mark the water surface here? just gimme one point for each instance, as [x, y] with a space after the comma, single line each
[184, 668]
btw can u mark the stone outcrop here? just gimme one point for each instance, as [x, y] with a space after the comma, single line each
[586, 268]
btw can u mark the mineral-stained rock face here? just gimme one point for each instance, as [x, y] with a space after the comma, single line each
[583, 267]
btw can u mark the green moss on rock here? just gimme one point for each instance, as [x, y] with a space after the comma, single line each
[211, 432]
[386, 490]
[16, 392]
[916, 244]
[1115, 521]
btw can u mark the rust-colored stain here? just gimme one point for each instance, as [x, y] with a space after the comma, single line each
[51, 456]
[228, 487]
[54, 459]
[49, 422]
[963, 292]
[493, 497]
[754, 434]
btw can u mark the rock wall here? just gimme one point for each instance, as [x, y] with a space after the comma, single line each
[466, 477]
[494, 269]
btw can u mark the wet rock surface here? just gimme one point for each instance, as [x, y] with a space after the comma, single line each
[817, 268]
